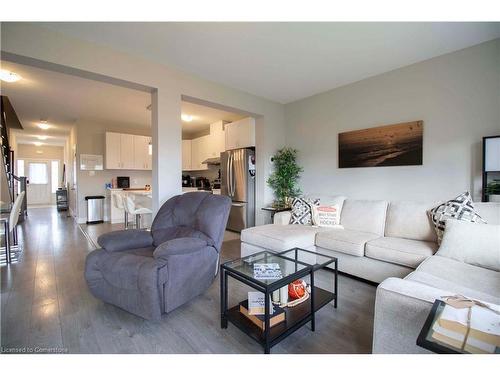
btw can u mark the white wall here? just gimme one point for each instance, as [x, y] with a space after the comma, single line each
[27, 151]
[456, 95]
[91, 140]
[33, 41]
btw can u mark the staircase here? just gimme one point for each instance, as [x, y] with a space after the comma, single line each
[10, 182]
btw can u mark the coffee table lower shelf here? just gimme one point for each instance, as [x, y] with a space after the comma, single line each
[296, 317]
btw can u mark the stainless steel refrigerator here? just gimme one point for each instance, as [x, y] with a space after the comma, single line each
[238, 183]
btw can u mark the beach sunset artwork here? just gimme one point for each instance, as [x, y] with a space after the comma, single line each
[389, 145]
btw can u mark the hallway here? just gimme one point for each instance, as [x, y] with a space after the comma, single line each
[46, 307]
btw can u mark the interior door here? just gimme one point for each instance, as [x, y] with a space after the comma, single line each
[39, 190]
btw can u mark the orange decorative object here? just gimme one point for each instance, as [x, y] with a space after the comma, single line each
[297, 289]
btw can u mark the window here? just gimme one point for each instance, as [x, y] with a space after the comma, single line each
[54, 168]
[38, 173]
[20, 168]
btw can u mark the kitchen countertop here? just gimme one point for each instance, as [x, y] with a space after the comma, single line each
[192, 189]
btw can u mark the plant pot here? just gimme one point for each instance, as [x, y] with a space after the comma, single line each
[494, 198]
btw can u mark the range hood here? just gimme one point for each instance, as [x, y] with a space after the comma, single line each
[211, 161]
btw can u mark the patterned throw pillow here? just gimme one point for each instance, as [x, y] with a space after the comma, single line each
[302, 210]
[326, 216]
[460, 208]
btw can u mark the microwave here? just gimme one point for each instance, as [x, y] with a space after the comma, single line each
[123, 182]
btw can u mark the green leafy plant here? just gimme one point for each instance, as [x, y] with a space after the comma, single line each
[493, 187]
[285, 177]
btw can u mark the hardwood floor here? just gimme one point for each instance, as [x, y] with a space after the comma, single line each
[46, 306]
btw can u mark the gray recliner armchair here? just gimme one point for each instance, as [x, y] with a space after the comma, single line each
[151, 273]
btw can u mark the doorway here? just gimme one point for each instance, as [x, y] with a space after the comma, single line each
[43, 178]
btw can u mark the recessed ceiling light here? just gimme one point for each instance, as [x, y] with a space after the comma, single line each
[38, 144]
[186, 118]
[8, 76]
[43, 125]
[39, 152]
[42, 137]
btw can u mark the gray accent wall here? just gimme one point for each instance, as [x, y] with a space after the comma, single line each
[456, 95]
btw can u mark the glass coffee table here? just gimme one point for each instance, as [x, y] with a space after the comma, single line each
[294, 264]
[426, 337]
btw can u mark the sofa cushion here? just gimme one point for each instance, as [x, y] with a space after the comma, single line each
[400, 251]
[280, 237]
[489, 211]
[459, 278]
[364, 216]
[410, 220]
[346, 241]
[471, 243]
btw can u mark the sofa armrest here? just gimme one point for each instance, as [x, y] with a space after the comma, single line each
[282, 218]
[125, 240]
[182, 245]
[401, 308]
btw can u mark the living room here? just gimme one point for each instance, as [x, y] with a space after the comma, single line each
[375, 167]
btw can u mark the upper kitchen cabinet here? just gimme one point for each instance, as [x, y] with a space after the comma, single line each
[113, 151]
[142, 157]
[240, 134]
[127, 151]
[199, 152]
[186, 155]
[217, 139]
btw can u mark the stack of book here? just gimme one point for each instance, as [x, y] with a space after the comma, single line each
[253, 308]
[266, 271]
[479, 335]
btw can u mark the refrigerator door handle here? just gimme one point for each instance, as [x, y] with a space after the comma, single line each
[233, 182]
[228, 175]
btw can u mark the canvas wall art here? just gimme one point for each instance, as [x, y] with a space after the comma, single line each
[389, 145]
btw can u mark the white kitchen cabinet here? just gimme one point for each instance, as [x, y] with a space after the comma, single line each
[240, 134]
[113, 147]
[199, 152]
[186, 155]
[142, 158]
[127, 151]
[217, 143]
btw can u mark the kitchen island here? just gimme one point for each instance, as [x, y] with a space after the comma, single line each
[141, 196]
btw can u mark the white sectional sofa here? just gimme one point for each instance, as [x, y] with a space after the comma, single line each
[380, 239]
[391, 243]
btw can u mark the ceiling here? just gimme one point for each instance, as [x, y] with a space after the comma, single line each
[203, 117]
[284, 61]
[65, 101]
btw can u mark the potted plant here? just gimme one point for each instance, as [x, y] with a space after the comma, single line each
[493, 191]
[285, 177]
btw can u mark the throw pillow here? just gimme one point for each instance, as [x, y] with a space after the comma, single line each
[302, 211]
[326, 216]
[459, 208]
[473, 244]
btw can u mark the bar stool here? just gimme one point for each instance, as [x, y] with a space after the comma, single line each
[117, 199]
[135, 210]
[10, 225]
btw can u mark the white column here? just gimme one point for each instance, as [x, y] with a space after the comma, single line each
[167, 152]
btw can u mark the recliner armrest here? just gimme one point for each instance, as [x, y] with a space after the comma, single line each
[125, 240]
[181, 245]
